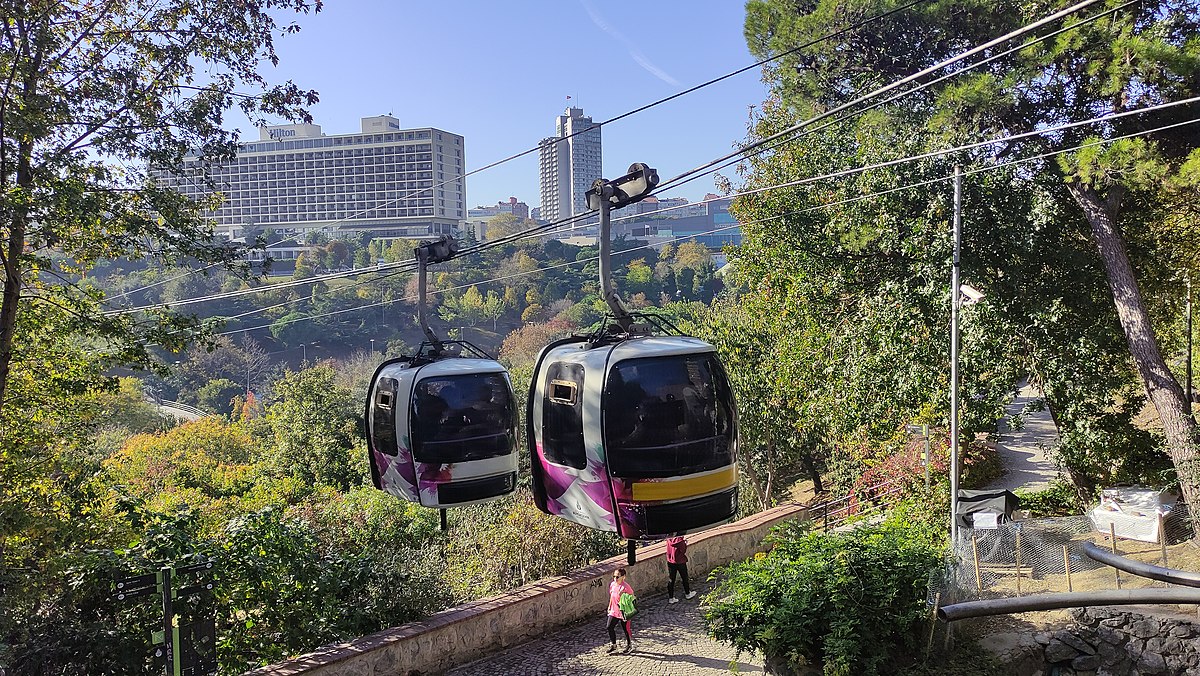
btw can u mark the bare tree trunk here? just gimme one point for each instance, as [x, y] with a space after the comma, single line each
[1161, 387]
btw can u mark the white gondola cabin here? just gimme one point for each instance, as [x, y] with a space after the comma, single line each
[442, 432]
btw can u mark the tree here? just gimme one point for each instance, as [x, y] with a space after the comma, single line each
[493, 308]
[94, 94]
[1138, 56]
[317, 425]
[503, 225]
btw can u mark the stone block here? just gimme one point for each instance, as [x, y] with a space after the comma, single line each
[1110, 655]
[1151, 664]
[1110, 635]
[1181, 630]
[1057, 651]
[1068, 637]
[1145, 628]
[1085, 663]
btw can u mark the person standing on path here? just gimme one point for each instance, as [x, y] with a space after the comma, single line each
[677, 564]
[617, 587]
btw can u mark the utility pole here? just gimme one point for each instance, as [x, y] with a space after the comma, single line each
[954, 307]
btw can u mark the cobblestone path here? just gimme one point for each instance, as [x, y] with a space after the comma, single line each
[667, 639]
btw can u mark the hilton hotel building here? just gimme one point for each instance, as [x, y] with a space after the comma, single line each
[385, 180]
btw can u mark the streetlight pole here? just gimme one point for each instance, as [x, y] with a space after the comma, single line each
[954, 307]
[303, 353]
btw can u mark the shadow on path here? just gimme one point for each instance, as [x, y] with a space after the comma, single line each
[1024, 452]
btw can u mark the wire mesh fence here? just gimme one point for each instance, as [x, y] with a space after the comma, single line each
[1040, 556]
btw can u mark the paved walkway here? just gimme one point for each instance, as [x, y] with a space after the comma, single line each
[1023, 452]
[668, 639]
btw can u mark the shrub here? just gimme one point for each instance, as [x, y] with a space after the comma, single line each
[847, 602]
[1060, 499]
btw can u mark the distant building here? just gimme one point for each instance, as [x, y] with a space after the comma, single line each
[570, 162]
[512, 206]
[669, 207]
[714, 227]
[383, 180]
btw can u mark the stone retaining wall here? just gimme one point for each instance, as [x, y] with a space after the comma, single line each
[1106, 641]
[468, 632]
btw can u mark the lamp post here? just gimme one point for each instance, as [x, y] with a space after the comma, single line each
[955, 303]
[303, 353]
[372, 346]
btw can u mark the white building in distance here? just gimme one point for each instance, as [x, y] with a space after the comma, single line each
[385, 180]
[570, 163]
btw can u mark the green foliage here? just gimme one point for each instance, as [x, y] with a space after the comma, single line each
[509, 542]
[317, 428]
[1060, 499]
[218, 395]
[849, 603]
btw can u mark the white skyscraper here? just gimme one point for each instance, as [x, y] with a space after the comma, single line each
[570, 162]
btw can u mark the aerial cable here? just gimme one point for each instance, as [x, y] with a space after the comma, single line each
[854, 26]
[787, 134]
[882, 90]
[895, 97]
[812, 179]
[849, 200]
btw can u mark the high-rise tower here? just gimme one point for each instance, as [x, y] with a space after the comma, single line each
[570, 162]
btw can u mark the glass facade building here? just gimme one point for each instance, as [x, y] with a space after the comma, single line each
[385, 180]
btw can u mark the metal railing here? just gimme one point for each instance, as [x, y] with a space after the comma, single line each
[858, 502]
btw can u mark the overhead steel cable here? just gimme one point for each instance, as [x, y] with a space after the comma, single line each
[789, 134]
[812, 179]
[416, 192]
[895, 97]
[691, 174]
[746, 150]
[849, 200]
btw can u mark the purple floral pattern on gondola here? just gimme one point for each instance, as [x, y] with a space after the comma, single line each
[397, 475]
[430, 476]
[585, 496]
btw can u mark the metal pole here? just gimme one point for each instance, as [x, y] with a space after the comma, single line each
[421, 317]
[607, 288]
[631, 551]
[926, 433]
[1067, 567]
[954, 305]
[168, 621]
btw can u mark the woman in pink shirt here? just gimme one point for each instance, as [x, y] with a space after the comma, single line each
[617, 587]
[677, 564]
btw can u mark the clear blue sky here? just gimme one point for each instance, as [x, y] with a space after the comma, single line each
[499, 73]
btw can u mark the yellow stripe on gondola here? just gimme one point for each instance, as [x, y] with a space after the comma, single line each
[674, 489]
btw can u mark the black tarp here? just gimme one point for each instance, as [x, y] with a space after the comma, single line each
[970, 502]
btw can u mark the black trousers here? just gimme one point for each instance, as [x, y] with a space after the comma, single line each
[681, 569]
[612, 629]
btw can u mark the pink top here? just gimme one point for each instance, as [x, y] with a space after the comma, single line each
[615, 589]
[676, 550]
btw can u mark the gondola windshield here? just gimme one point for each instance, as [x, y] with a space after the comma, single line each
[667, 416]
[459, 418]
